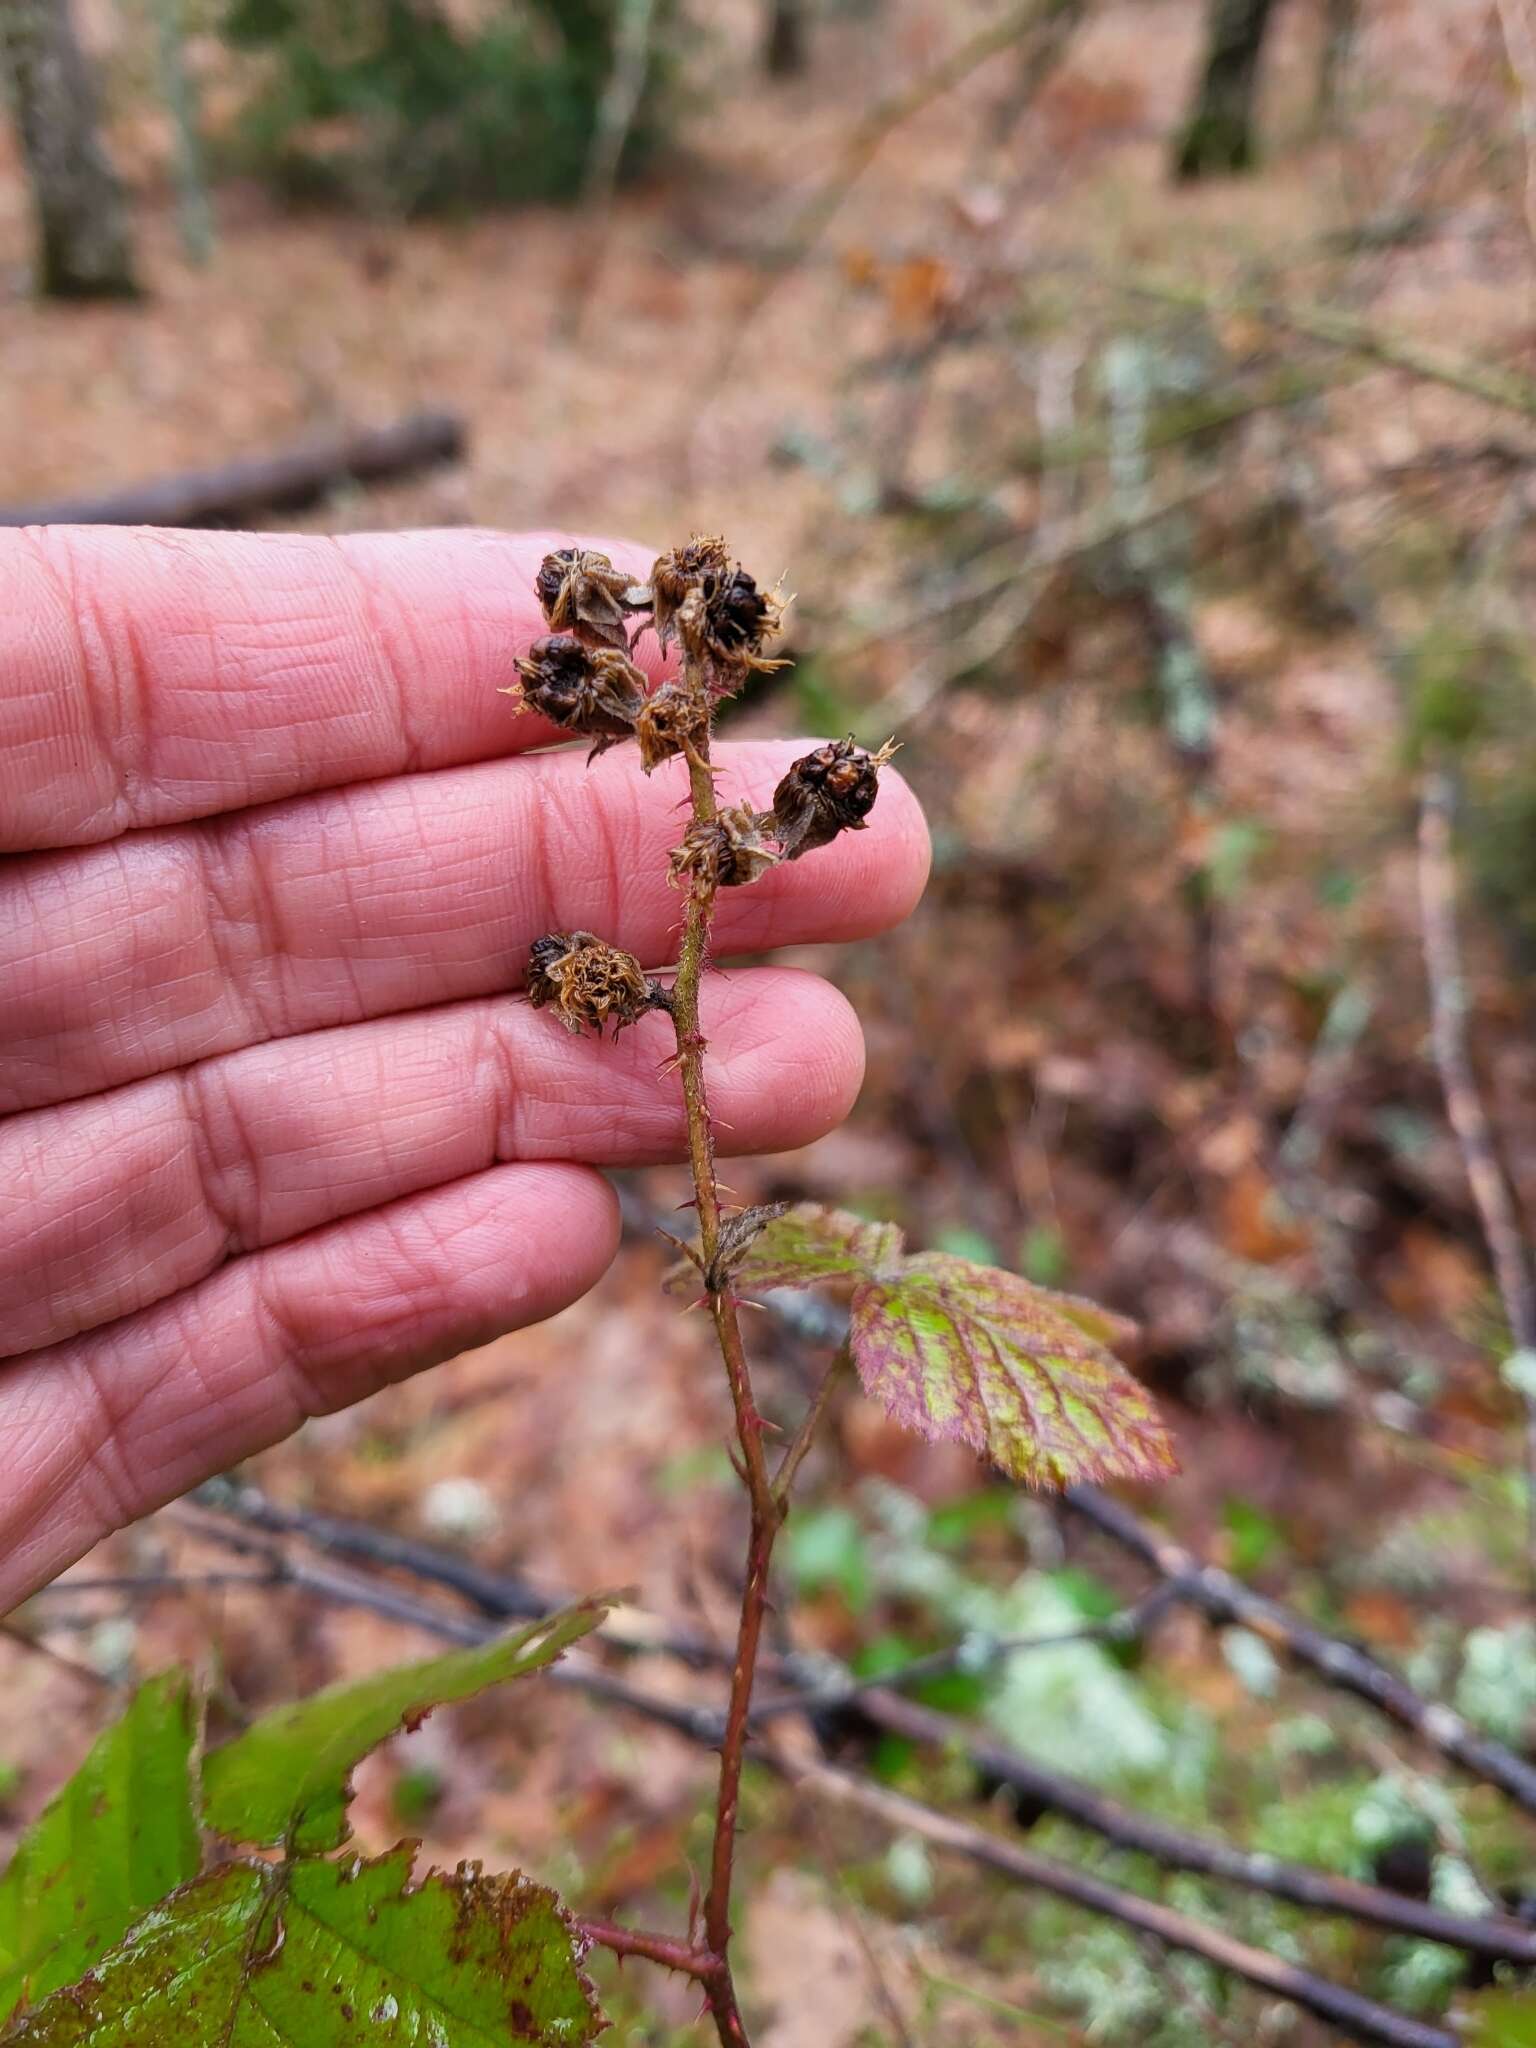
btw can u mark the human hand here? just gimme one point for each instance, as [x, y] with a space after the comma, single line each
[273, 1132]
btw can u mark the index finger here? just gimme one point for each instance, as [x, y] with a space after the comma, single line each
[149, 676]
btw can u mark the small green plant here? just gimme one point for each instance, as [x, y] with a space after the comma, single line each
[99, 1928]
[388, 105]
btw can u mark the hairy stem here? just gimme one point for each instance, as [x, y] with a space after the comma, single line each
[765, 1504]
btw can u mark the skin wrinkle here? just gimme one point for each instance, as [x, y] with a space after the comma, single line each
[417, 888]
[214, 870]
[113, 802]
[153, 1186]
[258, 692]
[206, 1100]
[105, 678]
[412, 753]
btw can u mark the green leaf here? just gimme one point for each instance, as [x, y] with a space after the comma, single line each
[289, 1775]
[811, 1244]
[1501, 2019]
[318, 1954]
[974, 1354]
[121, 1834]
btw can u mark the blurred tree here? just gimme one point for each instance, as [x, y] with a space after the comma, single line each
[1217, 136]
[1341, 20]
[784, 42]
[194, 215]
[84, 250]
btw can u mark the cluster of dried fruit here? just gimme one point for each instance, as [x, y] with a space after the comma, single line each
[582, 677]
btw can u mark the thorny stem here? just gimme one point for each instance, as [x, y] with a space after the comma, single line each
[664, 1949]
[766, 1502]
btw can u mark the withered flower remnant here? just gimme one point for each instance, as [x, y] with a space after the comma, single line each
[678, 573]
[830, 791]
[732, 848]
[596, 691]
[670, 718]
[589, 983]
[581, 592]
[715, 608]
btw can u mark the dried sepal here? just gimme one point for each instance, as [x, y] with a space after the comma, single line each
[581, 592]
[589, 983]
[672, 718]
[593, 690]
[738, 619]
[731, 851]
[737, 1236]
[830, 791]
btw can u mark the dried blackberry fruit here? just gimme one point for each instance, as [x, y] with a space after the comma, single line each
[670, 718]
[581, 592]
[678, 573]
[715, 609]
[732, 850]
[830, 791]
[589, 983]
[597, 691]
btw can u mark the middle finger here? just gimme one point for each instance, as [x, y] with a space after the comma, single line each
[169, 946]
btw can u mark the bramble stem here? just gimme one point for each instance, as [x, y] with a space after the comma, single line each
[766, 1504]
[664, 1949]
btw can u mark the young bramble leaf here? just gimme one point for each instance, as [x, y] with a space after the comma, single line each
[317, 1954]
[289, 1775]
[121, 1834]
[955, 1350]
[810, 1244]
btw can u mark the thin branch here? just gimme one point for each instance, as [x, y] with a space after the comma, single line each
[1507, 1250]
[766, 1510]
[975, 1654]
[1037, 1789]
[663, 1949]
[1358, 2017]
[1504, 389]
[805, 1436]
[1497, 1937]
[1043, 17]
[1348, 1666]
[616, 112]
[1361, 2018]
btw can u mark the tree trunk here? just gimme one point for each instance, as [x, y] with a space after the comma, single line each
[1218, 135]
[1341, 20]
[83, 246]
[785, 54]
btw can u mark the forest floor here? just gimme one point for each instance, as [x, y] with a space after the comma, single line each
[1159, 1033]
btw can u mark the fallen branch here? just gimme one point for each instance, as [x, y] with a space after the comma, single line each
[240, 491]
[819, 1693]
[1356, 2016]
[1318, 1891]
[1504, 389]
[1348, 1666]
[1495, 1203]
[1360, 2018]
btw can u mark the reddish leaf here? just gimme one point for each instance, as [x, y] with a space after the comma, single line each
[956, 1350]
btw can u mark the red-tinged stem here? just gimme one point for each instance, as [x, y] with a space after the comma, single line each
[766, 1507]
[664, 1949]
